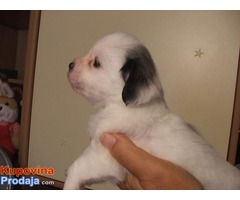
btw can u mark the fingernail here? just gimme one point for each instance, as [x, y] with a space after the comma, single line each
[108, 140]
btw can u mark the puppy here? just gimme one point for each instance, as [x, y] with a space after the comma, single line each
[119, 77]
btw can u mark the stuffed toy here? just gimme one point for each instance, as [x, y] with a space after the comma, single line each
[9, 128]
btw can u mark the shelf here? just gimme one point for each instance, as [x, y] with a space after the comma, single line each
[16, 81]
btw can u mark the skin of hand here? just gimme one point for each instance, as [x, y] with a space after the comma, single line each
[146, 171]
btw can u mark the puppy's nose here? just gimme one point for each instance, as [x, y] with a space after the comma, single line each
[71, 65]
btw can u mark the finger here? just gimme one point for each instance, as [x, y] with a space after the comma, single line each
[122, 185]
[130, 183]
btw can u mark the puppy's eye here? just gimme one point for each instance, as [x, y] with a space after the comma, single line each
[96, 63]
[7, 104]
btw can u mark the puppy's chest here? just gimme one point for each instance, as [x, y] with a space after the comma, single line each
[117, 122]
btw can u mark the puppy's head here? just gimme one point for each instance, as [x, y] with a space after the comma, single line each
[117, 69]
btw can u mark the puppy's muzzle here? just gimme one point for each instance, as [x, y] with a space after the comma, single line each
[71, 66]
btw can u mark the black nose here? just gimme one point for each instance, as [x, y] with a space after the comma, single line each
[71, 65]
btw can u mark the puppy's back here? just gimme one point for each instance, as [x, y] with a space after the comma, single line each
[176, 141]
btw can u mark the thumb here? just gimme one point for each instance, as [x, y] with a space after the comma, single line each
[137, 161]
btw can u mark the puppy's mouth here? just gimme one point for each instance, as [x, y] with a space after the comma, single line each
[76, 85]
[73, 76]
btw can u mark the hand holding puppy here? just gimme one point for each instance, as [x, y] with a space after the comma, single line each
[146, 171]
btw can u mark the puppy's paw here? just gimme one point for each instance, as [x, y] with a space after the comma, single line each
[71, 186]
[72, 180]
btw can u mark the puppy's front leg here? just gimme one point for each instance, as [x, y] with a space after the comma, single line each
[94, 165]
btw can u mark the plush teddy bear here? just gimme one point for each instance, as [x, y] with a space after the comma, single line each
[9, 128]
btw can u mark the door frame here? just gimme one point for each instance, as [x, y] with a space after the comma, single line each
[28, 83]
[235, 127]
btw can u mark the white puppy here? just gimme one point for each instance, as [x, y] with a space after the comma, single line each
[119, 77]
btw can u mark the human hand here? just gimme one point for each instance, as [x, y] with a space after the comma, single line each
[146, 171]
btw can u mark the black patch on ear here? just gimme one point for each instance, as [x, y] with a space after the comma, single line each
[137, 72]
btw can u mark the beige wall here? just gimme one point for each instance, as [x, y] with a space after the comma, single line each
[199, 89]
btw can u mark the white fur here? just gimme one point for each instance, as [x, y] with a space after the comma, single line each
[5, 90]
[148, 123]
[8, 114]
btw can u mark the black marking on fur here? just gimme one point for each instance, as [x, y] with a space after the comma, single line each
[91, 181]
[137, 72]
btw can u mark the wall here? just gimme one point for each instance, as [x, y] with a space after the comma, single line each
[201, 89]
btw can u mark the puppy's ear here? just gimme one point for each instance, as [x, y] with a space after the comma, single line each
[141, 81]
